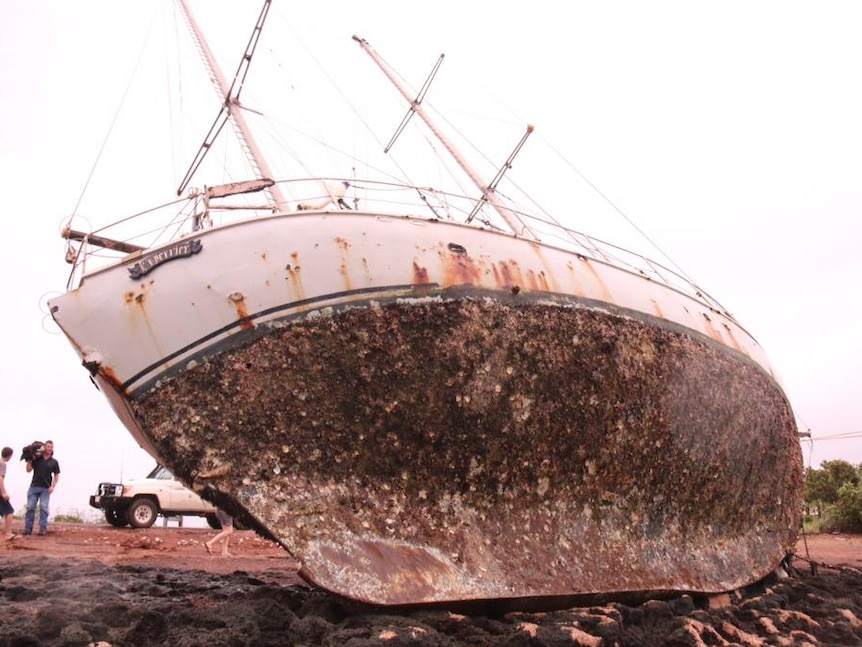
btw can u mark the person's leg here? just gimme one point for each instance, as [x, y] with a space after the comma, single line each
[227, 533]
[44, 501]
[30, 516]
[212, 542]
[7, 526]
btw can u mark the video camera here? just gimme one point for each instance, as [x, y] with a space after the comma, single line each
[32, 451]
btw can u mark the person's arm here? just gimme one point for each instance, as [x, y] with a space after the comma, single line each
[3, 492]
[54, 482]
[29, 466]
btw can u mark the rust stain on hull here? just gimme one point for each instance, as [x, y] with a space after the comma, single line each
[420, 274]
[238, 301]
[344, 247]
[459, 268]
[467, 450]
[293, 276]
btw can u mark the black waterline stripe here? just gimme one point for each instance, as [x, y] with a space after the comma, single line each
[269, 311]
[420, 288]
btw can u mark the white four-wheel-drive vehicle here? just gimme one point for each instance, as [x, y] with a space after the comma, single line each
[139, 502]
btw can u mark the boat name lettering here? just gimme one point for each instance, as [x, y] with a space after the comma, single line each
[178, 250]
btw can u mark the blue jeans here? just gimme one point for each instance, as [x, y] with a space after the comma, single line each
[42, 496]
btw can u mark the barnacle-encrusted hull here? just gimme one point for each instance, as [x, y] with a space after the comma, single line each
[457, 450]
[461, 440]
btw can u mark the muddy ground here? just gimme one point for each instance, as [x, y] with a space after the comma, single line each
[82, 584]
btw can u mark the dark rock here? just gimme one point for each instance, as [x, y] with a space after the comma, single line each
[185, 608]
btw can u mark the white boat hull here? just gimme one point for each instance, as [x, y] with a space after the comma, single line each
[425, 412]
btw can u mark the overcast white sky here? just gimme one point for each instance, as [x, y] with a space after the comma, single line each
[729, 132]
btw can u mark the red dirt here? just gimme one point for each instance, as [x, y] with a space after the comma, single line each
[171, 547]
[840, 550]
[183, 548]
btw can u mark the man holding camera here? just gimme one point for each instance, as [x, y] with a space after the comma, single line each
[46, 474]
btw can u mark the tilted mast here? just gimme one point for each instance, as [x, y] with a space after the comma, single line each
[230, 104]
[512, 219]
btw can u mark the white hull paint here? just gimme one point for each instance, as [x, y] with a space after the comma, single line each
[257, 272]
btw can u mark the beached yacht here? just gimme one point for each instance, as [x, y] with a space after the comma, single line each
[431, 397]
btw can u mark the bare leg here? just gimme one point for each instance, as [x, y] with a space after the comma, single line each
[227, 533]
[223, 536]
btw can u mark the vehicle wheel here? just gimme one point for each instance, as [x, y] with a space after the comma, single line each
[142, 513]
[116, 518]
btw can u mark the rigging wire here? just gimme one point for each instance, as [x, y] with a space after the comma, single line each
[114, 120]
[619, 210]
[229, 95]
[842, 436]
[674, 265]
[338, 89]
[405, 175]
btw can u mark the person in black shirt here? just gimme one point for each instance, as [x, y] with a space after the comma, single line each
[46, 474]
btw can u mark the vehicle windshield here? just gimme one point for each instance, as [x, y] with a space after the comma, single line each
[160, 472]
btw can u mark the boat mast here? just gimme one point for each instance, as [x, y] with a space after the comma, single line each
[231, 107]
[512, 219]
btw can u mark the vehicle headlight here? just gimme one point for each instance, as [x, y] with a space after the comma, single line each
[110, 489]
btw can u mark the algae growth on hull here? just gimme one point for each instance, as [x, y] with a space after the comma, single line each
[470, 449]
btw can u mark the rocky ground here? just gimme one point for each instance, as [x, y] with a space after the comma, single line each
[87, 584]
